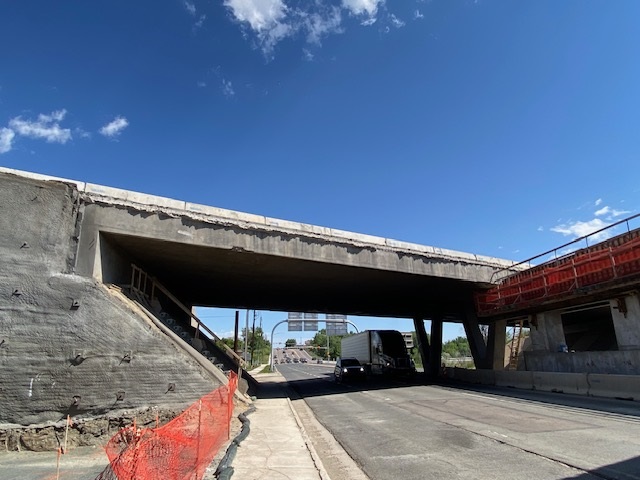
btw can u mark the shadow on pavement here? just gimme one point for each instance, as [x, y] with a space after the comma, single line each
[324, 385]
[625, 470]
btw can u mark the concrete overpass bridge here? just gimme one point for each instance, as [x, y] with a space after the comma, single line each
[63, 241]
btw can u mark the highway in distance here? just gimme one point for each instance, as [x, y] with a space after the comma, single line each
[405, 430]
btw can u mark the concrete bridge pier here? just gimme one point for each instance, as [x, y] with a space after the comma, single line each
[496, 344]
[430, 350]
[476, 340]
[435, 353]
[423, 341]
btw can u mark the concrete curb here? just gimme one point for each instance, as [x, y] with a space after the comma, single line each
[314, 455]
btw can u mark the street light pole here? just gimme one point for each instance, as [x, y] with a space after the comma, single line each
[328, 358]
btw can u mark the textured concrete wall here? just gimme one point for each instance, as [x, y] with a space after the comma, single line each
[625, 362]
[548, 335]
[627, 324]
[51, 350]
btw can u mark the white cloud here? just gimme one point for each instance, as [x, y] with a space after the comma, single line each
[319, 24]
[612, 213]
[271, 21]
[396, 22]
[46, 127]
[191, 8]
[541, 228]
[115, 127]
[617, 213]
[199, 22]
[259, 14]
[363, 7]
[82, 133]
[6, 139]
[417, 15]
[307, 55]
[201, 84]
[227, 334]
[582, 229]
[227, 88]
[598, 202]
[267, 18]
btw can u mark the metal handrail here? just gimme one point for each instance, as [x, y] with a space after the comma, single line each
[155, 284]
[554, 250]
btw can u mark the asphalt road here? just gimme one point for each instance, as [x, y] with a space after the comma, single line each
[405, 430]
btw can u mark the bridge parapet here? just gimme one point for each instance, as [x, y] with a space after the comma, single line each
[209, 214]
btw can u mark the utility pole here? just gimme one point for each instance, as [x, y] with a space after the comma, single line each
[246, 337]
[253, 336]
[328, 357]
[235, 333]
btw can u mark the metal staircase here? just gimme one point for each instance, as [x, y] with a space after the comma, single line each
[146, 290]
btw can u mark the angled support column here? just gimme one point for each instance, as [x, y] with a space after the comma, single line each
[476, 341]
[423, 341]
[435, 354]
[496, 344]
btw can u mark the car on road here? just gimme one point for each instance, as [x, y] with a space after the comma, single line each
[303, 360]
[319, 360]
[348, 369]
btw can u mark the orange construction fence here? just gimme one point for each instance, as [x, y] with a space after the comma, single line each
[610, 261]
[179, 450]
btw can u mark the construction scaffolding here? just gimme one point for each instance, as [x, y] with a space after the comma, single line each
[614, 261]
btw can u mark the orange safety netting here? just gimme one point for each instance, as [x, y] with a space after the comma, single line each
[616, 260]
[181, 449]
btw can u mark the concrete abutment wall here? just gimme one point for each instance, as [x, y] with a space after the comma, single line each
[68, 346]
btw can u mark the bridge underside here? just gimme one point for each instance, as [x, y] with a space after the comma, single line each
[236, 278]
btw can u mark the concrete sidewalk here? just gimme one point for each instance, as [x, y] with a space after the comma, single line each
[277, 446]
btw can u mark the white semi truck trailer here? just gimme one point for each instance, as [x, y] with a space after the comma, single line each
[379, 352]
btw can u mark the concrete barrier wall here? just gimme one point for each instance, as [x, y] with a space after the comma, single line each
[516, 379]
[616, 386]
[561, 382]
[614, 362]
[592, 384]
[484, 377]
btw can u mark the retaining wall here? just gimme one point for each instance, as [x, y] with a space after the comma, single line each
[68, 346]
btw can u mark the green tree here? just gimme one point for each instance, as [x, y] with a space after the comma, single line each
[258, 347]
[458, 347]
[291, 342]
[319, 344]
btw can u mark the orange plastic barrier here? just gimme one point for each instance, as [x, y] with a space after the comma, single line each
[179, 450]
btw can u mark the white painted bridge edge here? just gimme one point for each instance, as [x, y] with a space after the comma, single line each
[116, 195]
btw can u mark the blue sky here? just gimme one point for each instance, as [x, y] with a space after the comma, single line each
[501, 128]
